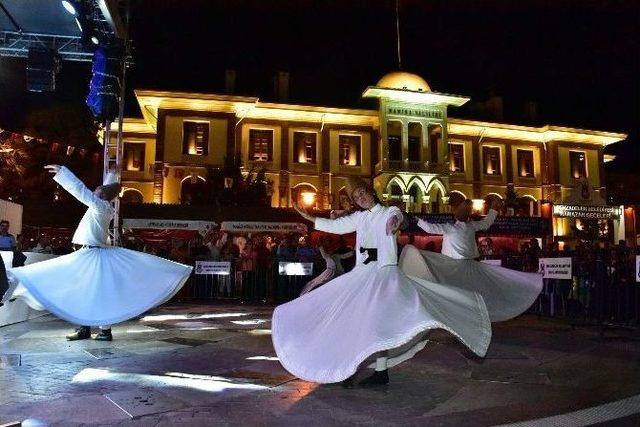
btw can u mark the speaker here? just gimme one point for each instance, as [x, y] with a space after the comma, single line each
[104, 88]
[43, 65]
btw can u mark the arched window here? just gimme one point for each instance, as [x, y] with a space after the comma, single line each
[305, 195]
[455, 198]
[130, 196]
[193, 190]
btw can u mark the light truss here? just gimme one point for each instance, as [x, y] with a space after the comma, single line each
[17, 44]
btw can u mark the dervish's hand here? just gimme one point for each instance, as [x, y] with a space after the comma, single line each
[53, 169]
[393, 224]
[496, 204]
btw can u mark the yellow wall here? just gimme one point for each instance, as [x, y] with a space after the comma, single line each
[365, 153]
[564, 165]
[277, 141]
[173, 141]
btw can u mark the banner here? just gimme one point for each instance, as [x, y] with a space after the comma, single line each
[168, 224]
[587, 212]
[555, 268]
[263, 227]
[504, 225]
[213, 267]
[295, 268]
[637, 268]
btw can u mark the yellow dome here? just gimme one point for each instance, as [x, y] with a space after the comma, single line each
[405, 81]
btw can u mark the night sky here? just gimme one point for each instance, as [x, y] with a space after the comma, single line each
[578, 59]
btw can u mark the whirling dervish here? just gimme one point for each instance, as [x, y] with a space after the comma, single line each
[507, 293]
[374, 315]
[99, 284]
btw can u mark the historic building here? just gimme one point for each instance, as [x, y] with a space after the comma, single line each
[415, 154]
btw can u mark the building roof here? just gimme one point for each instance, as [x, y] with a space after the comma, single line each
[251, 108]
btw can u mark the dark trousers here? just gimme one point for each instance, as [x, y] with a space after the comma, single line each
[4, 283]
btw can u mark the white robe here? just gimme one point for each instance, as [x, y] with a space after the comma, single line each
[325, 335]
[507, 293]
[100, 284]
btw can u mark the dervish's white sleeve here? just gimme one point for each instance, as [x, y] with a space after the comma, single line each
[485, 222]
[432, 228]
[77, 189]
[342, 225]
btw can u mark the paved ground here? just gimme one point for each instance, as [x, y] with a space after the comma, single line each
[214, 364]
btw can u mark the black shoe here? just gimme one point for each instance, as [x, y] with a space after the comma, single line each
[378, 378]
[104, 335]
[349, 383]
[81, 333]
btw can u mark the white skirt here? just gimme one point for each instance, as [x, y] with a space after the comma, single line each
[507, 293]
[99, 286]
[325, 335]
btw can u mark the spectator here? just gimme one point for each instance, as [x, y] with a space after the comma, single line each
[7, 241]
[43, 246]
[305, 252]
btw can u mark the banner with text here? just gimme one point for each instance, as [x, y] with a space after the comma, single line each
[263, 227]
[168, 224]
[555, 268]
[213, 267]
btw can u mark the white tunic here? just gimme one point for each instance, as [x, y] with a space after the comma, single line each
[370, 226]
[459, 238]
[325, 335]
[93, 229]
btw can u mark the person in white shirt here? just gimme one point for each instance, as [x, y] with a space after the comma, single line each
[507, 293]
[373, 315]
[99, 284]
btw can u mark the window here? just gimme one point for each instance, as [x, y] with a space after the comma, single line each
[491, 159]
[134, 156]
[260, 145]
[394, 137]
[304, 147]
[435, 136]
[457, 157]
[578, 161]
[349, 146]
[415, 141]
[195, 138]
[525, 163]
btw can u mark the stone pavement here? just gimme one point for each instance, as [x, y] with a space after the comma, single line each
[214, 364]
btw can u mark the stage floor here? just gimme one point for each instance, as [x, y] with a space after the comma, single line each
[215, 364]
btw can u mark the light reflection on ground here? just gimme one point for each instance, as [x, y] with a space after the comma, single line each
[249, 322]
[165, 317]
[269, 358]
[169, 379]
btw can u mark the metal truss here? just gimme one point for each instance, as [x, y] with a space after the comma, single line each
[17, 44]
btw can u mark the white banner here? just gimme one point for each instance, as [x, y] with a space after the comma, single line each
[295, 268]
[213, 267]
[555, 268]
[262, 227]
[168, 224]
[497, 262]
[637, 268]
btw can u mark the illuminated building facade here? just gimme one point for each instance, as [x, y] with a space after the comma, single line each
[415, 155]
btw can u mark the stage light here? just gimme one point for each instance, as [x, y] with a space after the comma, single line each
[477, 205]
[69, 7]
